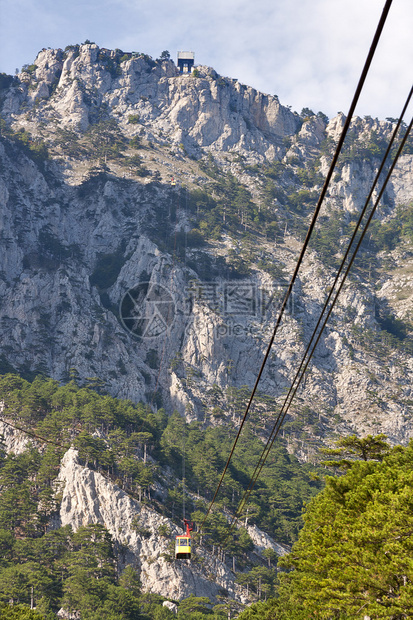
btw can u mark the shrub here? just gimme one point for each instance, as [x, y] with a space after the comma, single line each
[135, 142]
[163, 530]
[5, 80]
[133, 119]
[29, 68]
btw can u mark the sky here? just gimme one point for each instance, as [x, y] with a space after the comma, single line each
[310, 53]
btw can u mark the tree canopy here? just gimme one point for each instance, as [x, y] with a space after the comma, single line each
[133, 447]
[351, 448]
[353, 557]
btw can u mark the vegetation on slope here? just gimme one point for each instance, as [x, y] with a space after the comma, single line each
[353, 555]
[71, 414]
[134, 447]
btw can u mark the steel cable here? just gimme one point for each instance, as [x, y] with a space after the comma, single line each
[329, 175]
[299, 375]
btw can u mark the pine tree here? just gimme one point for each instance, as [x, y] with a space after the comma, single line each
[354, 552]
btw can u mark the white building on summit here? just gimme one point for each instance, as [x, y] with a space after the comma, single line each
[186, 61]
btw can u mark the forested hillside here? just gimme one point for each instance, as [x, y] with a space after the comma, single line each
[354, 552]
[143, 453]
[150, 223]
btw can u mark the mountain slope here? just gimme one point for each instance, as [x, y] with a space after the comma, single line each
[77, 466]
[92, 141]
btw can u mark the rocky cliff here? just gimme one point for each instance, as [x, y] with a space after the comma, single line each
[149, 224]
[70, 89]
[87, 497]
[143, 539]
[113, 205]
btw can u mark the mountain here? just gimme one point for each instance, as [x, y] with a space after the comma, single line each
[150, 222]
[79, 233]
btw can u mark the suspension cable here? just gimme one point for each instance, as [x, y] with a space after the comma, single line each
[183, 470]
[34, 435]
[299, 375]
[307, 239]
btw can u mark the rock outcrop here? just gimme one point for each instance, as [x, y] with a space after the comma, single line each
[88, 497]
[207, 111]
[76, 240]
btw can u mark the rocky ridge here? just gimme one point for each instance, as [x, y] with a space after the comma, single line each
[69, 88]
[87, 497]
[61, 220]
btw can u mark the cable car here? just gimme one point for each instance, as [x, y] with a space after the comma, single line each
[183, 543]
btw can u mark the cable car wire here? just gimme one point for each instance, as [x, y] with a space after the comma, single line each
[356, 229]
[34, 435]
[329, 175]
[281, 418]
[299, 375]
[165, 342]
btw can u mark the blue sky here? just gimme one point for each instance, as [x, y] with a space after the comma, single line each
[308, 52]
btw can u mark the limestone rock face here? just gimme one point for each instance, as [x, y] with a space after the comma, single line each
[262, 541]
[206, 111]
[87, 497]
[14, 441]
[76, 240]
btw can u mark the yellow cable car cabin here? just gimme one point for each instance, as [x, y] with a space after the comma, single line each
[183, 543]
[183, 548]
